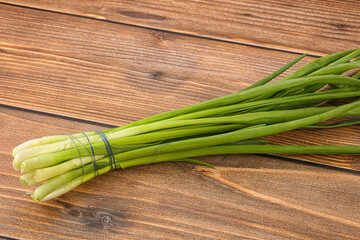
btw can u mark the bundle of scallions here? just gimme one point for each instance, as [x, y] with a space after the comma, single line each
[230, 124]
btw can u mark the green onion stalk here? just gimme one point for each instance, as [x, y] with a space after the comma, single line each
[230, 124]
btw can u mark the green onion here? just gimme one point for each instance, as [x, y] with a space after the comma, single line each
[226, 125]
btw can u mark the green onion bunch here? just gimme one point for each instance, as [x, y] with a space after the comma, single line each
[230, 124]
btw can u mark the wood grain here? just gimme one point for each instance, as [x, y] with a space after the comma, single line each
[316, 26]
[116, 74]
[113, 73]
[337, 136]
[245, 197]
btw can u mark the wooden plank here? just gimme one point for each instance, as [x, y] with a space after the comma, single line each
[316, 26]
[116, 74]
[245, 197]
[337, 136]
[113, 73]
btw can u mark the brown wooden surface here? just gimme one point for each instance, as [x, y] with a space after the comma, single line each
[124, 73]
[110, 73]
[336, 136]
[316, 26]
[245, 197]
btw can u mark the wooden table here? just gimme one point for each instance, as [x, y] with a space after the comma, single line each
[71, 66]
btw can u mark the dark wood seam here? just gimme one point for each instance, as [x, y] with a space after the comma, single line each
[7, 238]
[104, 125]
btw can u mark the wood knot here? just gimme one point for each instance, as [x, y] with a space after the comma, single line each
[339, 26]
[247, 15]
[93, 218]
[157, 75]
[106, 219]
[74, 212]
[160, 36]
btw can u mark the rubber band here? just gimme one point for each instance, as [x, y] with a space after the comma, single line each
[80, 156]
[108, 149]
[156, 154]
[93, 156]
[149, 162]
